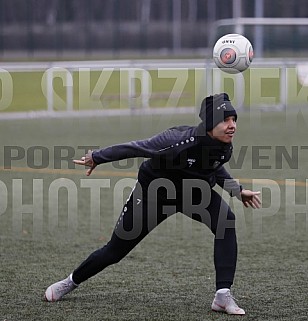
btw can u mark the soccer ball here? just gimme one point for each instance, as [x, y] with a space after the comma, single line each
[233, 53]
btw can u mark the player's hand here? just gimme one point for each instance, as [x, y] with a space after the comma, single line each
[87, 160]
[250, 198]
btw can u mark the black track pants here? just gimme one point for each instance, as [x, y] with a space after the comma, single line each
[148, 206]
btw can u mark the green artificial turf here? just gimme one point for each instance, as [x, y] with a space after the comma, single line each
[170, 275]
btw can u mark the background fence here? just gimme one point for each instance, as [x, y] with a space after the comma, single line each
[92, 88]
[84, 28]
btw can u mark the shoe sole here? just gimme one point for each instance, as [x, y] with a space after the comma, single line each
[224, 311]
[217, 309]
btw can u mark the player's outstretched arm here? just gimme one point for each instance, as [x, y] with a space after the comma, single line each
[250, 198]
[87, 160]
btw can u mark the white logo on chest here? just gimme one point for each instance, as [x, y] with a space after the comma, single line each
[190, 161]
[216, 164]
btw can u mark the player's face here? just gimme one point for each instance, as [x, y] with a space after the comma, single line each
[225, 130]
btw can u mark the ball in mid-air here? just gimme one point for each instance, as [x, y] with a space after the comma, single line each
[233, 53]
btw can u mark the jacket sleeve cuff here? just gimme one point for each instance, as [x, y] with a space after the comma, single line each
[236, 191]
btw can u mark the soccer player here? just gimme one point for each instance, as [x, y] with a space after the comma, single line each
[184, 164]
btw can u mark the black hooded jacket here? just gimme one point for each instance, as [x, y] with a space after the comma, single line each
[182, 152]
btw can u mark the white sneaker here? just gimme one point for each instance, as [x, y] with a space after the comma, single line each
[225, 302]
[57, 290]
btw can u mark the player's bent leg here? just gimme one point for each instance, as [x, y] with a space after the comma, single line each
[132, 226]
[111, 253]
[130, 229]
[123, 240]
